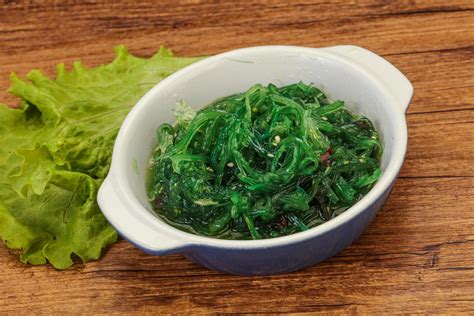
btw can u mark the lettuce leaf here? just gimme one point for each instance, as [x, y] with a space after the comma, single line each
[55, 151]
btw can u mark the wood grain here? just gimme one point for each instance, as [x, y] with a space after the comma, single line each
[418, 254]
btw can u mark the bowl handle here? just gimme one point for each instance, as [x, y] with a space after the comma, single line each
[396, 82]
[135, 226]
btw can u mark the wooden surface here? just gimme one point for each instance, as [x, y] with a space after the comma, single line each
[418, 254]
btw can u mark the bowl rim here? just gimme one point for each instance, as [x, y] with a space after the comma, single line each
[118, 176]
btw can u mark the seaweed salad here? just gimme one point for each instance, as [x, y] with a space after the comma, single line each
[269, 162]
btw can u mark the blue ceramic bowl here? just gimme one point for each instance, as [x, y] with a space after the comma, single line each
[368, 84]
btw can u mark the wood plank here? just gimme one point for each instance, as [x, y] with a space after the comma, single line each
[165, 21]
[383, 29]
[440, 144]
[442, 80]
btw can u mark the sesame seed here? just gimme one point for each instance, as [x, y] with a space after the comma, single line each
[230, 164]
[324, 118]
[271, 155]
[277, 139]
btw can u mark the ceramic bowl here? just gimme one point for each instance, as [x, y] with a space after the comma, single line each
[369, 85]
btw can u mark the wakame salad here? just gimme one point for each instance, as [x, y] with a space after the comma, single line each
[269, 162]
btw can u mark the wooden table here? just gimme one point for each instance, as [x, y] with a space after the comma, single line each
[418, 254]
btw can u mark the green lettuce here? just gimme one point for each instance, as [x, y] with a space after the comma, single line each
[55, 151]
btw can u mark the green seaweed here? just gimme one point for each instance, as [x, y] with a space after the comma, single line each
[261, 164]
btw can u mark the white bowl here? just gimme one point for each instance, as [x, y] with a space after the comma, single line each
[368, 84]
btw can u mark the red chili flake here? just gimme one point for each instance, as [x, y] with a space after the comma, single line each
[326, 156]
[281, 222]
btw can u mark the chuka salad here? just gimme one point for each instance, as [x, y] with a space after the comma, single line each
[261, 164]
